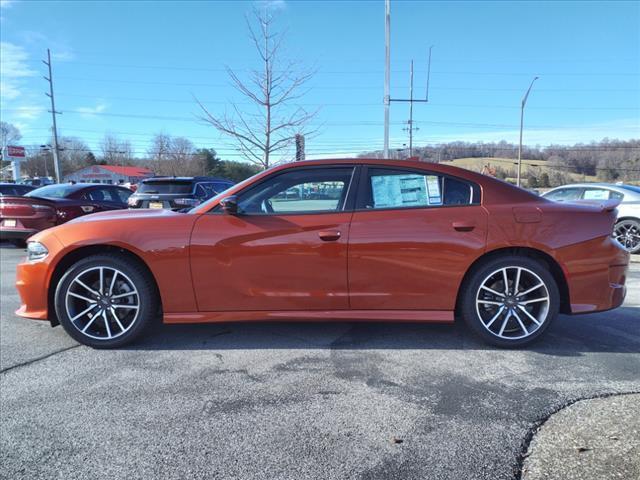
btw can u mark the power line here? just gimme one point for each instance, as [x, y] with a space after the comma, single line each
[354, 72]
[340, 104]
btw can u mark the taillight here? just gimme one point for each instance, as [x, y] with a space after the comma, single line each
[132, 202]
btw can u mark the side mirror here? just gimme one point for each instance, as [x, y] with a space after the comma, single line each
[230, 205]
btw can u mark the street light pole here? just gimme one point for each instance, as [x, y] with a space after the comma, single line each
[524, 102]
[387, 73]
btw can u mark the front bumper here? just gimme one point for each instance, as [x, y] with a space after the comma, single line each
[31, 284]
[16, 233]
[33, 280]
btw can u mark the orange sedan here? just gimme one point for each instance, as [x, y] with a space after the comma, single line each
[332, 240]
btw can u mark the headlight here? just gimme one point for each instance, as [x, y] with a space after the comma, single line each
[36, 251]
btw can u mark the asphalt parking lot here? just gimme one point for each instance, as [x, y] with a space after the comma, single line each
[295, 401]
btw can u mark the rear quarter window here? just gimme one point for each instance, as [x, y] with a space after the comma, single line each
[166, 187]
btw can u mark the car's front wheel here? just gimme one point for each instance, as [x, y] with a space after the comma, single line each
[105, 300]
[510, 301]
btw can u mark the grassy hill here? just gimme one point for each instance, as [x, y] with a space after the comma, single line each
[537, 167]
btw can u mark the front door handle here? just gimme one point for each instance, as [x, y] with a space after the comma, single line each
[329, 235]
[463, 226]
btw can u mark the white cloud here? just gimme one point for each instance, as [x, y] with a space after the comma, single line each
[13, 69]
[91, 112]
[36, 41]
[27, 112]
[6, 3]
[271, 4]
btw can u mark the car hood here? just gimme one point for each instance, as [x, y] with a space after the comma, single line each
[136, 214]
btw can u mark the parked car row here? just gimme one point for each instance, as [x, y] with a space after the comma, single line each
[25, 210]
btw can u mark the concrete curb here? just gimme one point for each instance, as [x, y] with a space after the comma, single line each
[587, 440]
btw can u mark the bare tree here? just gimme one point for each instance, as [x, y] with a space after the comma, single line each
[174, 156]
[73, 153]
[8, 134]
[270, 128]
[115, 151]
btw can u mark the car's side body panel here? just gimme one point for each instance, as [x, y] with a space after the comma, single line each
[257, 262]
[413, 259]
[159, 238]
[427, 316]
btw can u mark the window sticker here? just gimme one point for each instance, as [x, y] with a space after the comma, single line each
[433, 190]
[598, 194]
[400, 190]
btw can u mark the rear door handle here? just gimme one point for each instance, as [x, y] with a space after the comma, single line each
[463, 226]
[329, 235]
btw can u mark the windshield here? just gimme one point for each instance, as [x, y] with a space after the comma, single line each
[53, 191]
[164, 186]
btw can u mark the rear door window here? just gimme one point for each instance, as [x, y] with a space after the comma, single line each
[176, 187]
[390, 188]
[595, 194]
[565, 194]
[101, 194]
[122, 194]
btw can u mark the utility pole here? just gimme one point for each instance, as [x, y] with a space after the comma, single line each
[410, 128]
[524, 102]
[387, 73]
[53, 115]
[299, 147]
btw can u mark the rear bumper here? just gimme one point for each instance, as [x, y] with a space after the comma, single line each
[596, 273]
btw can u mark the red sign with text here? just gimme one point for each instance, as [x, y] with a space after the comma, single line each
[15, 152]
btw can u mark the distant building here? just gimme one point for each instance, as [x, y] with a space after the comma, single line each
[109, 174]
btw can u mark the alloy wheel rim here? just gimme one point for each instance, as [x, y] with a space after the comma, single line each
[512, 303]
[628, 234]
[102, 303]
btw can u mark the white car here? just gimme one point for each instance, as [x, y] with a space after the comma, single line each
[627, 227]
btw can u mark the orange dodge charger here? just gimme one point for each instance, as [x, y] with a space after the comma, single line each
[332, 240]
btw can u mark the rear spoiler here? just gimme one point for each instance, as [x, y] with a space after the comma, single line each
[605, 205]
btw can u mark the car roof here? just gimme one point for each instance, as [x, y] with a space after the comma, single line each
[494, 190]
[186, 179]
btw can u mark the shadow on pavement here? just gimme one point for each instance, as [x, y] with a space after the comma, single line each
[615, 331]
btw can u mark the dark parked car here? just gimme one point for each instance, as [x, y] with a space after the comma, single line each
[14, 189]
[44, 207]
[38, 181]
[176, 193]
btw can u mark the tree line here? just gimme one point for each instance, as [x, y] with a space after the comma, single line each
[166, 155]
[608, 160]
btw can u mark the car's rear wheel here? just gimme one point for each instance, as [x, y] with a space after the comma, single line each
[510, 301]
[627, 232]
[105, 300]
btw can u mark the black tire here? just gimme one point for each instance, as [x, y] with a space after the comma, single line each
[472, 312]
[129, 272]
[632, 227]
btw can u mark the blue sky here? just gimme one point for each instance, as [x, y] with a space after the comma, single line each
[133, 69]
